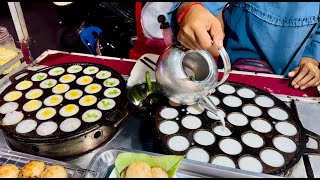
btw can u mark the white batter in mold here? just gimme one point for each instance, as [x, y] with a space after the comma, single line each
[222, 160]
[252, 140]
[272, 158]
[249, 163]
[252, 110]
[264, 101]
[221, 130]
[168, 127]
[232, 101]
[286, 128]
[169, 113]
[191, 122]
[261, 125]
[220, 112]
[195, 109]
[237, 119]
[284, 144]
[246, 93]
[226, 89]
[204, 138]
[230, 146]
[178, 143]
[214, 99]
[278, 114]
[198, 154]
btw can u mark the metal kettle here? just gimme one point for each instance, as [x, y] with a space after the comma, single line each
[189, 76]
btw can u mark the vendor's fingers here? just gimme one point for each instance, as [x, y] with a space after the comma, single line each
[217, 33]
[307, 78]
[303, 71]
[203, 38]
[293, 73]
[312, 83]
[185, 41]
[188, 34]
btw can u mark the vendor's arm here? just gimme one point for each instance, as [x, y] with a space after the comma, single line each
[308, 73]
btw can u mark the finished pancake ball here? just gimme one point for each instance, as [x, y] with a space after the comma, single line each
[138, 170]
[55, 172]
[32, 169]
[159, 173]
[9, 171]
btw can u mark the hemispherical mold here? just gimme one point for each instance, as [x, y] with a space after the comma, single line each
[237, 119]
[226, 89]
[204, 137]
[220, 130]
[284, 144]
[251, 110]
[272, 157]
[178, 143]
[230, 146]
[252, 139]
[261, 125]
[264, 101]
[249, 163]
[191, 122]
[198, 154]
[246, 93]
[278, 114]
[232, 101]
[169, 113]
[286, 128]
[168, 127]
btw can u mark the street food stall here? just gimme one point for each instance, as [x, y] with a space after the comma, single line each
[79, 112]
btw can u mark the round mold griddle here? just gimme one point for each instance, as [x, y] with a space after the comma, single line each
[300, 138]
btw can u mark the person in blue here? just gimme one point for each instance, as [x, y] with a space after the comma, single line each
[283, 34]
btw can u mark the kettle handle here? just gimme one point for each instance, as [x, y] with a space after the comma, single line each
[226, 65]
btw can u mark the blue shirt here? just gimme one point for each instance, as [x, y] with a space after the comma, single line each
[270, 31]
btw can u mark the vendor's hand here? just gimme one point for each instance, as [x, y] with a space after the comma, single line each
[199, 27]
[307, 74]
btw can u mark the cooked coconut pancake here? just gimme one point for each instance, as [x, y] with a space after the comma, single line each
[246, 93]
[222, 131]
[138, 169]
[70, 124]
[168, 127]
[93, 88]
[278, 114]
[272, 158]
[191, 122]
[226, 89]
[23, 85]
[90, 70]
[252, 140]
[204, 138]
[195, 109]
[9, 171]
[264, 101]
[32, 105]
[230, 146]
[34, 94]
[103, 74]
[261, 125]
[198, 154]
[53, 100]
[73, 94]
[106, 104]
[48, 83]
[112, 92]
[91, 115]
[159, 173]
[252, 110]
[84, 80]
[232, 101]
[222, 160]
[249, 163]
[26, 126]
[8, 107]
[67, 78]
[46, 113]
[169, 113]
[55, 171]
[111, 82]
[220, 113]
[12, 118]
[286, 128]
[56, 71]
[32, 169]
[12, 96]
[178, 143]
[60, 88]
[237, 119]
[47, 128]
[74, 69]
[215, 100]
[284, 144]
[69, 110]
[39, 77]
[87, 100]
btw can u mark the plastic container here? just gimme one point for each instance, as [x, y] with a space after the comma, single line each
[6, 40]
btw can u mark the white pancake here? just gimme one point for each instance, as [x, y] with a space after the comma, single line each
[198, 154]
[56, 71]
[8, 107]
[23, 85]
[195, 109]
[112, 92]
[26, 126]
[249, 163]
[103, 74]
[264, 101]
[278, 114]
[232, 101]
[111, 82]
[34, 94]
[286, 128]
[214, 99]
[12, 118]
[223, 161]
[169, 113]
[74, 69]
[67, 78]
[252, 140]
[60, 88]
[237, 119]
[246, 93]
[178, 143]
[32, 105]
[261, 125]
[168, 127]
[106, 104]
[90, 70]
[222, 131]
[91, 115]
[84, 80]
[220, 112]
[46, 113]
[226, 89]
[93, 88]
[70, 124]
[230, 146]
[284, 144]
[73, 94]
[69, 110]
[252, 110]
[47, 128]
[39, 77]
[87, 100]
[48, 83]
[272, 158]
[204, 138]
[12, 96]
[53, 100]
[191, 122]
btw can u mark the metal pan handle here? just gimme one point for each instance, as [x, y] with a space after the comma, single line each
[13, 76]
[316, 137]
[115, 118]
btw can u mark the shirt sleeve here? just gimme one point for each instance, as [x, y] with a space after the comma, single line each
[312, 50]
[214, 7]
